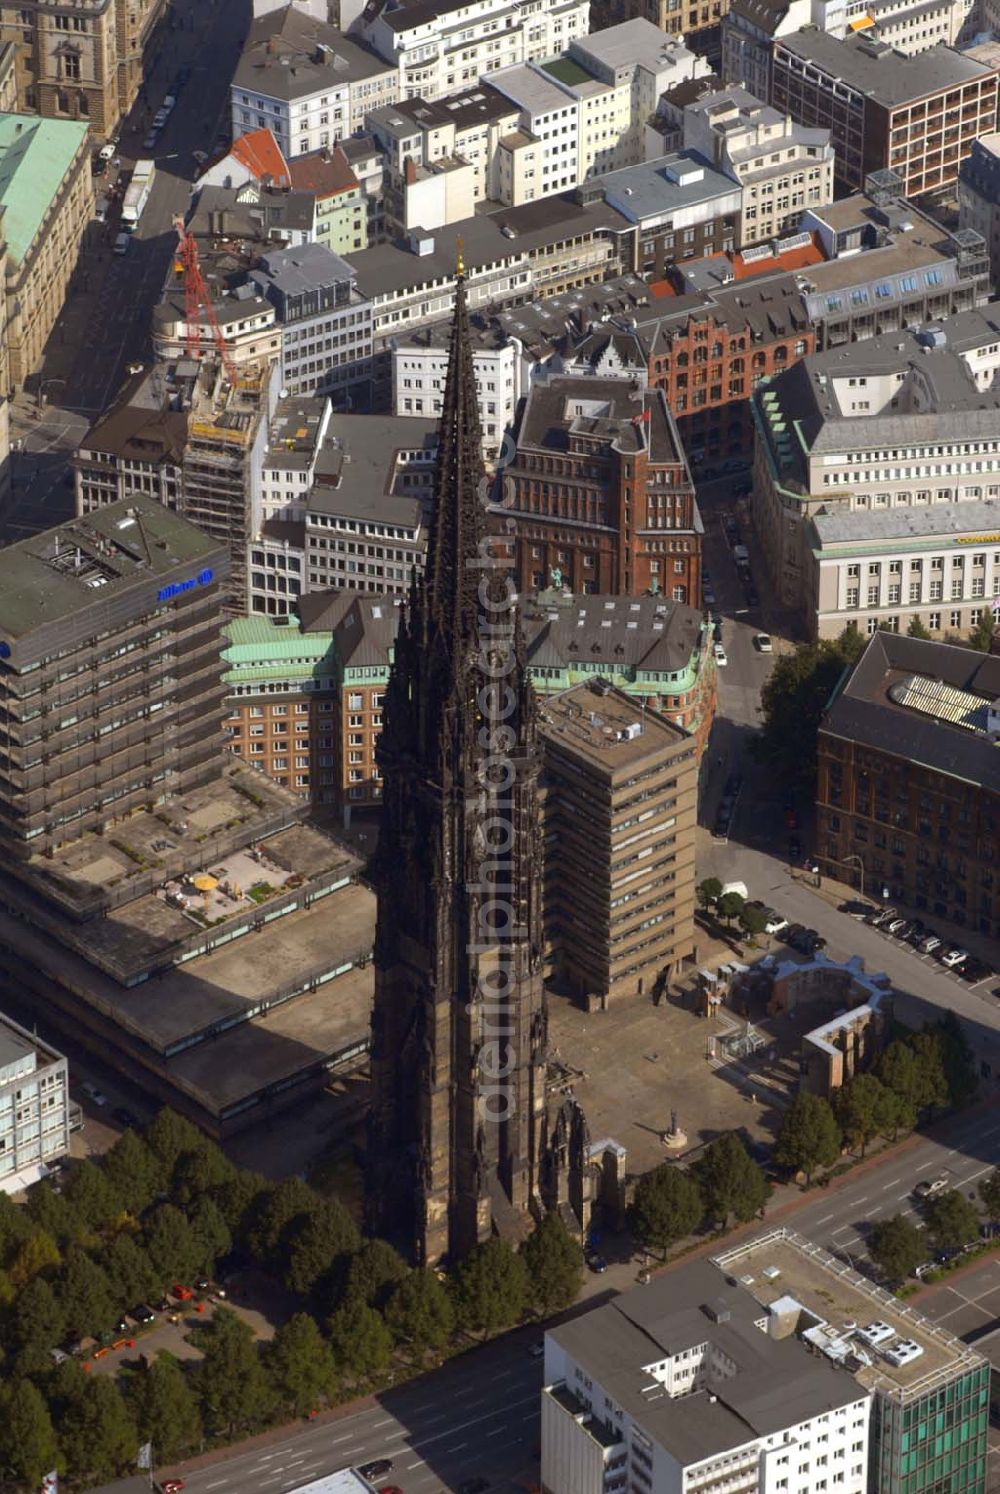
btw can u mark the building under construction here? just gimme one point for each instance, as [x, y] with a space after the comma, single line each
[193, 436]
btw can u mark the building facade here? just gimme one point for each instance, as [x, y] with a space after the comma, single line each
[34, 1107]
[326, 326]
[916, 116]
[620, 814]
[908, 796]
[46, 201]
[979, 197]
[341, 211]
[306, 82]
[600, 492]
[710, 353]
[420, 366]
[880, 510]
[783, 167]
[84, 62]
[446, 49]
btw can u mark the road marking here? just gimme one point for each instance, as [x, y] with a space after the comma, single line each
[861, 1200]
[335, 1440]
[892, 1184]
[385, 1422]
[497, 1432]
[457, 1448]
[218, 1483]
[417, 1464]
[825, 1218]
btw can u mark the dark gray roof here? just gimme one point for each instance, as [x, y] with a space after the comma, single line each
[777, 1382]
[282, 57]
[88, 561]
[765, 14]
[645, 633]
[609, 409]
[865, 713]
[301, 267]
[261, 208]
[881, 72]
[393, 267]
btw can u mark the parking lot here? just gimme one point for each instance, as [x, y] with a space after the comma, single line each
[926, 944]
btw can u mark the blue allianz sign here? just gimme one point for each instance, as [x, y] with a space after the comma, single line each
[176, 588]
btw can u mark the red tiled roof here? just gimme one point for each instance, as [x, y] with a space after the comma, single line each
[660, 289]
[261, 154]
[792, 259]
[323, 172]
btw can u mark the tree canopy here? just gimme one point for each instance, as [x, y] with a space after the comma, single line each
[897, 1246]
[729, 1180]
[667, 1207]
[554, 1262]
[793, 700]
[809, 1136]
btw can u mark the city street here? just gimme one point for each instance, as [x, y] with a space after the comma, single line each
[104, 325]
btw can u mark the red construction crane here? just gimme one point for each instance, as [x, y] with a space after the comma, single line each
[197, 298]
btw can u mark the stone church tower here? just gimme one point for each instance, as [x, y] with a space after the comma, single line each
[459, 1022]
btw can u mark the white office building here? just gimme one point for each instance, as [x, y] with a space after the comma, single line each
[420, 366]
[306, 82]
[877, 479]
[690, 1386]
[444, 48]
[34, 1107]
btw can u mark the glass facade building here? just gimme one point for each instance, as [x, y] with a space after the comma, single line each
[936, 1442]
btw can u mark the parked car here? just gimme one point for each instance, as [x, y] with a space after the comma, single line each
[763, 644]
[537, 1349]
[172, 1486]
[143, 1314]
[883, 918]
[794, 848]
[929, 943]
[94, 1094]
[182, 1293]
[775, 924]
[377, 1468]
[708, 595]
[918, 931]
[793, 932]
[160, 118]
[597, 1264]
[149, 141]
[954, 957]
[928, 1187]
[721, 658]
[856, 908]
[122, 243]
[973, 970]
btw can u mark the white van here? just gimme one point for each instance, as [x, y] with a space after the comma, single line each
[107, 151]
[740, 888]
[101, 210]
[122, 242]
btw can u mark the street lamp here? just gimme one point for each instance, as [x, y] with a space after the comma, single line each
[847, 861]
[46, 384]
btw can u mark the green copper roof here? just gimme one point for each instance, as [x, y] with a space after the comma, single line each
[263, 648]
[35, 155]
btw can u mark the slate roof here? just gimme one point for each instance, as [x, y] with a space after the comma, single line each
[864, 712]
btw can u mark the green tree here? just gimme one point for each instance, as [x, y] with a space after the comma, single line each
[313, 1243]
[752, 920]
[55, 1214]
[793, 700]
[168, 1137]
[554, 1260]
[361, 1343]
[164, 1407]
[917, 629]
[989, 1192]
[7, 1294]
[857, 1107]
[300, 1365]
[230, 1380]
[38, 1324]
[708, 892]
[92, 1195]
[729, 1180]
[85, 1293]
[952, 1219]
[28, 1446]
[172, 1245]
[901, 1071]
[809, 1136]
[277, 1209]
[15, 1226]
[374, 1273]
[667, 1207]
[420, 1312]
[929, 1049]
[133, 1172]
[730, 906]
[491, 1288]
[211, 1235]
[958, 1061]
[130, 1271]
[37, 1253]
[893, 1114]
[898, 1247]
[982, 634]
[203, 1169]
[239, 1198]
[97, 1433]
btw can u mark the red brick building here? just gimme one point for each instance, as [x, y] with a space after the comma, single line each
[600, 492]
[711, 350]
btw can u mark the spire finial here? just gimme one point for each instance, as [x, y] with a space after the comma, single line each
[459, 258]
